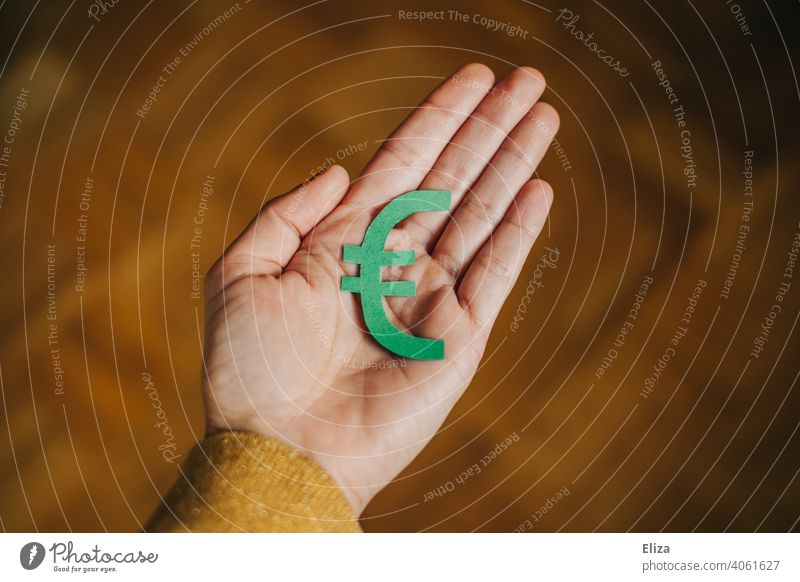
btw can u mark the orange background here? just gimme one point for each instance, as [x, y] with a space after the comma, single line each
[260, 102]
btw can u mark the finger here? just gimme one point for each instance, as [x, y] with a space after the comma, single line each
[486, 204]
[274, 235]
[463, 161]
[491, 276]
[406, 156]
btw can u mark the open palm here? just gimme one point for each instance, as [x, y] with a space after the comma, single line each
[287, 353]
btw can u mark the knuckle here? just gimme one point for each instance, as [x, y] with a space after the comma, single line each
[401, 151]
[497, 265]
[511, 149]
[484, 212]
[447, 179]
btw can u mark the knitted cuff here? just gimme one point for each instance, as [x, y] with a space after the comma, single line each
[234, 481]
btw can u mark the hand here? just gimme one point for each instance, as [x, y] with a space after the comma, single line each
[286, 352]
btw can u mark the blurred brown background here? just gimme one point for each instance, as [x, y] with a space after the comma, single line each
[263, 95]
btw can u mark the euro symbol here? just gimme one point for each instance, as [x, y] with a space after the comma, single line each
[372, 257]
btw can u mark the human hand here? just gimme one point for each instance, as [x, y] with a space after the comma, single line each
[286, 352]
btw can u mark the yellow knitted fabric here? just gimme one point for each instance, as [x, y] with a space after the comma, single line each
[233, 482]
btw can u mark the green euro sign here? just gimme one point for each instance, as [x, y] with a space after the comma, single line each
[372, 257]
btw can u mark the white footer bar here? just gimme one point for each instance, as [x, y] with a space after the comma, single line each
[400, 557]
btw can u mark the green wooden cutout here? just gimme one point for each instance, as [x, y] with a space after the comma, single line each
[372, 257]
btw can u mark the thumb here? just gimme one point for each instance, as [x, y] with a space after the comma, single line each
[275, 234]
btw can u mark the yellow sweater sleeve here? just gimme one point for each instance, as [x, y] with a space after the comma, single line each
[233, 482]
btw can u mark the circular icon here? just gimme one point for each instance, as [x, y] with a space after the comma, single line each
[31, 555]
